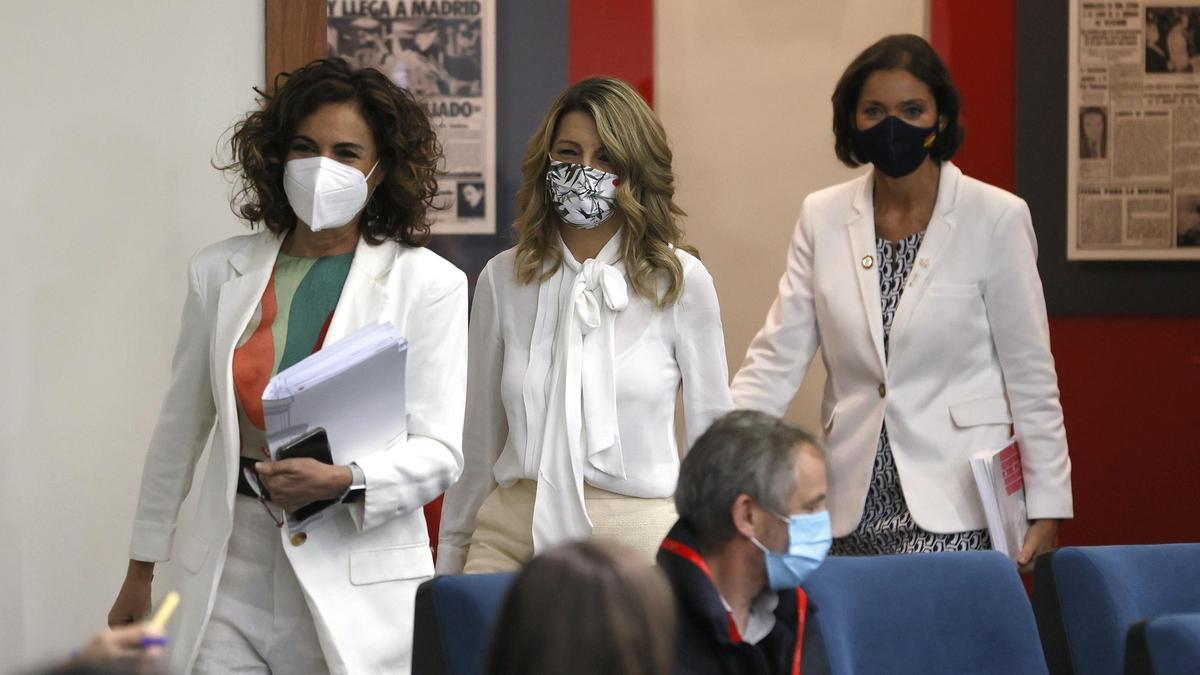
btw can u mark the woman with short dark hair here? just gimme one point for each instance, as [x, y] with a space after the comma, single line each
[338, 167]
[585, 608]
[921, 287]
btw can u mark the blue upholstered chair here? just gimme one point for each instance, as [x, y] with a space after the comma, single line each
[1087, 598]
[924, 613]
[1165, 645]
[453, 622]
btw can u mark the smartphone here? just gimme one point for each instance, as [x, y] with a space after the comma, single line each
[313, 444]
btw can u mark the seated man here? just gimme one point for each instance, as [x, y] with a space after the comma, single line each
[752, 525]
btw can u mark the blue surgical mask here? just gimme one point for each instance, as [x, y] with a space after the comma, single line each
[809, 538]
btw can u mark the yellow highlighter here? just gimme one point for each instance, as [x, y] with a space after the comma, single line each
[165, 610]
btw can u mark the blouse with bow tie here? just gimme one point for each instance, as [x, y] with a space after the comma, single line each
[575, 379]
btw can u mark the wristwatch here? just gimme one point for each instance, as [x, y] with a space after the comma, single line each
[358, 486]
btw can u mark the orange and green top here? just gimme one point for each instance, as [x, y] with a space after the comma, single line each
[289, 323]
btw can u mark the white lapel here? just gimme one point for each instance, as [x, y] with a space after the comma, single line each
[861, 230]
[239, 297]
[939, 231]
[362, 300]
[365, 293]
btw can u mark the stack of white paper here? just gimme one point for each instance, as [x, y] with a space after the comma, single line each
[353, 388]
[335, 359]
[1002, 492]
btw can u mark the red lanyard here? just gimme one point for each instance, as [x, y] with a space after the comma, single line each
[689, 554]
[801, 613]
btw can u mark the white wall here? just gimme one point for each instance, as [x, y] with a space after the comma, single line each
[743, 89]
[112, 113]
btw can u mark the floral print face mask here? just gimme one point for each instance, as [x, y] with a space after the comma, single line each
[582, 196]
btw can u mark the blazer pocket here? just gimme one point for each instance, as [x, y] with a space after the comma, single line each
[193, 551]
[389, 564]
[954, 290]
[981, 411]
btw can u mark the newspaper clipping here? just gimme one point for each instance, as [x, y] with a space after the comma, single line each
[1134, 131]
[443, 51]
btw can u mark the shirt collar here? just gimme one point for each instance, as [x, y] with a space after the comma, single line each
[610, 254]
[761, 619]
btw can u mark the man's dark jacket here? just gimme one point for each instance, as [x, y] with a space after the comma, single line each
[707, 640]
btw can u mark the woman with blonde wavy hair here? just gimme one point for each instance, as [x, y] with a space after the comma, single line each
[581, 338]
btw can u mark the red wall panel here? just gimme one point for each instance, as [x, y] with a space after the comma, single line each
[613, 37]
[1131, 395]
[976, 40]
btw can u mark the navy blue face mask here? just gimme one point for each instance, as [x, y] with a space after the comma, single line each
[894, 146]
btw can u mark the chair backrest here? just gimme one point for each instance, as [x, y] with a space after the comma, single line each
[1164, 645]
[923, 613]
[1099, 592]
[453, 622]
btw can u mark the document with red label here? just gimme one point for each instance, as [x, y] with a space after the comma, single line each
[1002, 492]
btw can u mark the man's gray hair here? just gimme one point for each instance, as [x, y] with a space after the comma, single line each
[743, 452]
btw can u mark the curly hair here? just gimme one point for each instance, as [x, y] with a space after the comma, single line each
[635, 140]
[405, 141]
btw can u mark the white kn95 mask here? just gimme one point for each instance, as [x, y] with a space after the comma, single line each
[325, 193]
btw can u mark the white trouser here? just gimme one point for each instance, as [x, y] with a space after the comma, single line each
[260, 621]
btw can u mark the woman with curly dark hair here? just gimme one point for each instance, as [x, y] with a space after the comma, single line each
[338, 169]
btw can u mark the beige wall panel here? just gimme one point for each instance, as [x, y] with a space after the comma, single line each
[743, 89]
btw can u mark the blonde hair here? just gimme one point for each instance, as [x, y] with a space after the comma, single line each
[637, 146]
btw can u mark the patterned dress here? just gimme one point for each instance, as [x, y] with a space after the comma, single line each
[887, 527]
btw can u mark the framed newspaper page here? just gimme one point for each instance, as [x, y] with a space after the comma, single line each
[443, 51]
[1133, 141]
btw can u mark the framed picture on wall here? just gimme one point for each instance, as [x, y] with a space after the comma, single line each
[442, 52]
[1133, 158]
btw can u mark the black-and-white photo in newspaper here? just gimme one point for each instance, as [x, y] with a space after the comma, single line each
[1133, 167]
[1187, 214]
[1093, 132]
[443, 51]
[1171, 39]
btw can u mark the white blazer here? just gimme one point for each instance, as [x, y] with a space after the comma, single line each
[969, 352]
[360, 568]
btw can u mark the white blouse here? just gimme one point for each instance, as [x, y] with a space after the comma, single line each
[582, 336]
